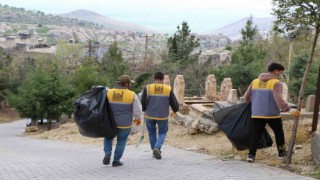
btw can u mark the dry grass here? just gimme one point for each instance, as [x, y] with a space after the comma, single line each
[8, 115]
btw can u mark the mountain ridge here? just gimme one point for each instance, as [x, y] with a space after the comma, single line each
[232, 30]
[107, 22]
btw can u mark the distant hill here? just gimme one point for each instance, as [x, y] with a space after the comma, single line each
[233, 30]
[105, 21]
[20, 15]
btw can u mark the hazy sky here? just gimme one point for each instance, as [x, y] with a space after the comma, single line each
[160, 15]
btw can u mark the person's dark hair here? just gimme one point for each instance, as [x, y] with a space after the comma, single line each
[275, 66]
[159, 75]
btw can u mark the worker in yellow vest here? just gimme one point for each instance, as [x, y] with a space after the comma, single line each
[156, 99]
[265, 94]
[125, 106]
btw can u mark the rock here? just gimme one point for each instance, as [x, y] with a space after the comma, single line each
[315, 147]
[180, 118]
[201, 127]
[195, 124]
[298, 147]
[192, 131]
[188, 121]
[31, 128]
[207, 115]
[212, 129]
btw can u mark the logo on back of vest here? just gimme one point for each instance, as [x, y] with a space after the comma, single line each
[117, 96]
[262, 84]
[158, 89]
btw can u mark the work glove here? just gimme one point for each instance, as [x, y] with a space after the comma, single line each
[294, 112]
[173, 115]
[137, 122]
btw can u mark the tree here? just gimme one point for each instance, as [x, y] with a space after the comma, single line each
[5, 61]
[44, 95]
[291, 15]
[249, 56]
[296, 71]
[113, 65]
[182, 44]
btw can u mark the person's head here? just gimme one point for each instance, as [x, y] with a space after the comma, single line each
[158, 76]
[124, 80]
[276, 69]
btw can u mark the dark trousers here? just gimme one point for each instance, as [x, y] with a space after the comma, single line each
[258, 125]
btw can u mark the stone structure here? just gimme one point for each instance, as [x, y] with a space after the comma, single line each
[166, 80]
[232, 96]
[315, 147]
[226, 85]
[310, 103]
[211, 87]
[179, 87]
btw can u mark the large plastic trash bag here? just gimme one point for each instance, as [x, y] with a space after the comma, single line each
[235, 122]
[93, 114]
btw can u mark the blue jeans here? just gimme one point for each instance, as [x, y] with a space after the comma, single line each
[157, 140]
[122, 136]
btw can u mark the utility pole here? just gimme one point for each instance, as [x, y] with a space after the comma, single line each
[146, 48]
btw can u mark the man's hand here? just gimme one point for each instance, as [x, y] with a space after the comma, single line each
[173, 115]
[137, 122]
[294, 112]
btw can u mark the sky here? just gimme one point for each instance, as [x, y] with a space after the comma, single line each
[159, 15]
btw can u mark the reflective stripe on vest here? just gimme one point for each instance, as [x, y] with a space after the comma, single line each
[158, 101]
[121, 103]
[263, 102]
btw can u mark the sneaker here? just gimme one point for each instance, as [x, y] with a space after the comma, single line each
[251, 158]
[106, 159]
[116, 163]
[157, 153]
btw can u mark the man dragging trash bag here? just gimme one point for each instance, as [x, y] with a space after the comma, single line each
[265, 94]
[125, 105]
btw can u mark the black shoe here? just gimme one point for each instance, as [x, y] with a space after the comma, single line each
[157, 153]
[116, 163]
[282, 154]
[251, 158]
[106, 159]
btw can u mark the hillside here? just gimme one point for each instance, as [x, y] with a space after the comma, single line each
[233, 30]
[96, 18]
[20, 15]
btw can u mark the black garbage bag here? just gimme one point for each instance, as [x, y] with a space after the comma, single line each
[93, 114]
[235, 122]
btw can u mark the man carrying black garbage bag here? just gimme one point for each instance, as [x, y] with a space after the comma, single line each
[125, 106]
[265, 94]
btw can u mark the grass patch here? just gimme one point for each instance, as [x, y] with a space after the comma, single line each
[8, 115]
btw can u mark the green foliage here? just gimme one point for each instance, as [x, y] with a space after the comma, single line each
[140, 82]
[297, 71]
[20, 15]
[182, 44]
[44, 94]
[291, 14]
[5, 70]
[113, 65]
[43, 30]
[182, 59]
[86, 76]
[249, 32]
[248, 59]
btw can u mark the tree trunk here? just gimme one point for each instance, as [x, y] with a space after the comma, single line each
[301, 94]
[49, 124]
[316, 106]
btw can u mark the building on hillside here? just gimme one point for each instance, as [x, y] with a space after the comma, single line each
[24, 34]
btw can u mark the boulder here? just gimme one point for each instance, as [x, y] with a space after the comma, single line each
[31, 128]
[315, 147]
